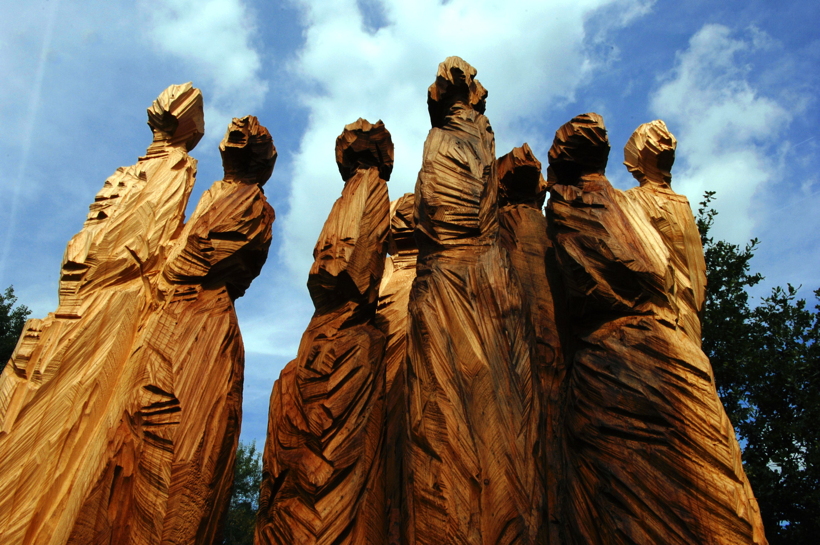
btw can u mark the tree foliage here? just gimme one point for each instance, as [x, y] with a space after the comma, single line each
[766, 361]
[12, 320]
[241, 517]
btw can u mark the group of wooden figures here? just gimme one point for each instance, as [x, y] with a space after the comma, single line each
[478, 370]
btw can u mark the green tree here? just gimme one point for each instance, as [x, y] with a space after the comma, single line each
[12, 320]
[241, 517]
[767, 371]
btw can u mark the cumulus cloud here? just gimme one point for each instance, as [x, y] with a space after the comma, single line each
[727, 128]
[215, 39]
[375, 59]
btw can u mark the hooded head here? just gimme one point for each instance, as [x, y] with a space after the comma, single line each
[363, 145]
[455, 83]
[650, 153]
[248, 153]
[176, 117]
[520, 180]
[580, 147]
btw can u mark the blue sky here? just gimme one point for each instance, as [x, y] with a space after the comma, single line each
[736, 82]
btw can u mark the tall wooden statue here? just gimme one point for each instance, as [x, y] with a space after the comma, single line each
[120, 411]
[523, 233]
[471, 468]
[649, 455]
[325, 430]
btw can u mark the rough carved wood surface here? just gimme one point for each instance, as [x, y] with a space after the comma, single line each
[120, 412]
[470, 464]
[501, 378]
[649, 455]
[525, 379]
[322, 458]
[523, 233]
[391, 318]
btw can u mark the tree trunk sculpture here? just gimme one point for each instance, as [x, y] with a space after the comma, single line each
[120, 412]
[471, 468]
[649, 455]
[523, 233]
[501, 378]
[322, 460]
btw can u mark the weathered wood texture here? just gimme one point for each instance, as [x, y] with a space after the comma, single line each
[391, 318]
[523, 379]
[523, 233]
[472, 475]
[120, 411]
[649, 455]
[325, 432]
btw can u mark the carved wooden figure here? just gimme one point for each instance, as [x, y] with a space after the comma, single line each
[322, 459]
[120, 411]
[392, 319]
[649, 455]
[523, 233]
[196, 338]
[472, 476]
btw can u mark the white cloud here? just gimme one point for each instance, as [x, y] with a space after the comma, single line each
[726, 128]
[528, 56]
[276, 328]
[215, 39]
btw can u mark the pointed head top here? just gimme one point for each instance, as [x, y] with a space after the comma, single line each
[650, 153]
[455, 83]
[363, 145]
[520, 180]
[580, 147]
[247, 150]
[176, 116]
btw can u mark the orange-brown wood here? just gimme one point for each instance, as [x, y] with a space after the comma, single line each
[472, 476]
[322, 459]
[120, 412]
[523, 233]
[391, 318]
[501, 377]
[649, 455]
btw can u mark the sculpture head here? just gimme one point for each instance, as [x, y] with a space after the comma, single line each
[455, 84]
[364, 145]
[248, 153]
[176, 117]
[580, 148]
[650, 153]
[520, 180]
[402, 225]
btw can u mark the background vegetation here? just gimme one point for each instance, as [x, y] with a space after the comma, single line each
[241, 516]
[12, 320]
[766, 360]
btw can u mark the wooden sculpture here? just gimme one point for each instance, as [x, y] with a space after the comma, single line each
[325, 430]
[391, 318]
[648, 453]
[470, 465]
[120, 411]
[523, 233]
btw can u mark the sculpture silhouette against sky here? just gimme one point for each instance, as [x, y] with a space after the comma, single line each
[472, 400]
[649, 455]
[543, 376]
[322, 458]
[503, 376]
[120, 412]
